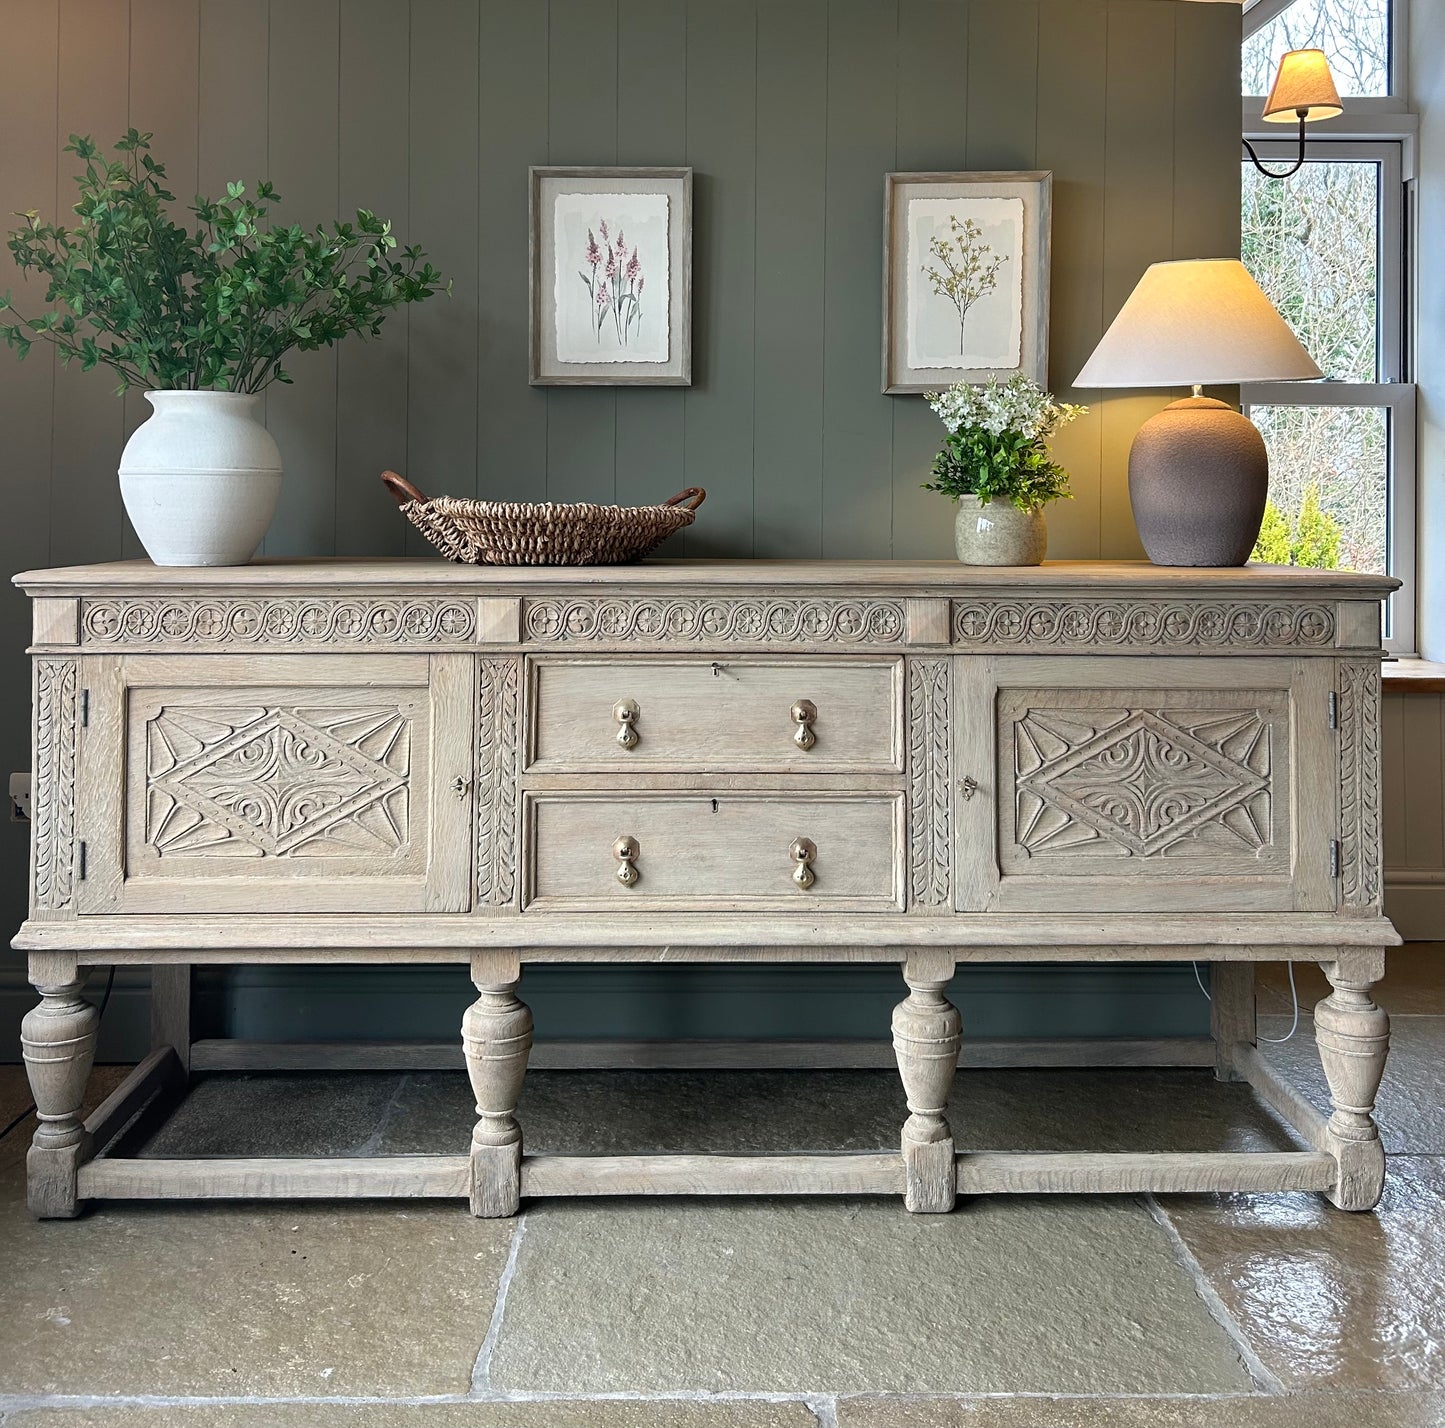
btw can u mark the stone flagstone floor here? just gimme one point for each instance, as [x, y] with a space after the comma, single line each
[1031, 1312]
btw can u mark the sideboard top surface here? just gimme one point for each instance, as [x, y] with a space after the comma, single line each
[140, 576]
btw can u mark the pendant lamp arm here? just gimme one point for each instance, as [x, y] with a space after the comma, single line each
[1283, 173]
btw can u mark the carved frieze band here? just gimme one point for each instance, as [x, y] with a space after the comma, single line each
[1360, 783]
[279, 620]
[54, 808]
[716, 621]
[930, 780]
[1109, 624]
[498, 729]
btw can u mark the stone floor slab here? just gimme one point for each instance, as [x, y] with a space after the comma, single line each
[734, 1112]
[568, 1413]
[256, 1113]
[1314, 1410]
[310, 1299]
[1329, 1299]
[1067, 1295]
[1410, 1109]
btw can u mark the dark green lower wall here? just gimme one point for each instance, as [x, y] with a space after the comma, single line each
[803, 1003]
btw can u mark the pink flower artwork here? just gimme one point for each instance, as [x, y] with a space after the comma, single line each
[617, 292]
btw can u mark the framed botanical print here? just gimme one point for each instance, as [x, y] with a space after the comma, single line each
[611, 277]
[965, 278]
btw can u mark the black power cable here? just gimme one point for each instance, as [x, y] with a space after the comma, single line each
[104, 1002]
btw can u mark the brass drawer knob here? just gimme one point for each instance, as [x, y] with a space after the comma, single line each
[803, 852]
[804, 713]
[625, 712]
[625, 850]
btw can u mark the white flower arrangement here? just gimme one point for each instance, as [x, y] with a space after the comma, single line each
[1018, 405]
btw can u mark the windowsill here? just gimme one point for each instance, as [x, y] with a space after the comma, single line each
[1413, 676]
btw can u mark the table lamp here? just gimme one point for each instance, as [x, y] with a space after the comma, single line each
[1198, 471]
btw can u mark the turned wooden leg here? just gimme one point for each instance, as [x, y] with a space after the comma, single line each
[1353, 1037]
[57, 1040]
[496, 1038]
[926, 1034]
[1231, 1013]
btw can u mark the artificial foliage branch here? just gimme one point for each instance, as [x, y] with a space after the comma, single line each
[997, 443]
[216, 306]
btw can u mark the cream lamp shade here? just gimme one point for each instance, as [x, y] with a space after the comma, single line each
[1303, 89]
[1192, 322]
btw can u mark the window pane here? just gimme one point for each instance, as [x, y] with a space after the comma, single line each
[1328, 486]
[1354, 34]
[1312, 244]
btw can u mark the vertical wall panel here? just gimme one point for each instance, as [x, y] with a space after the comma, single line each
[862, 147]
[1138, 221]
[932, 135]
[787, 467]
[652, 130]
[87, 521]
[29, 157]
[1003, 76]
[1073, 42]
[1206, 156]
[442, 354]
[233, 135]
[722, 139]
[304, 95]
[512, 128]
[374, 93]
[582, 129]
[165, 101]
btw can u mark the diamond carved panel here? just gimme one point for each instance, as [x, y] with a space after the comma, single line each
[278, 782]
[1143, 783]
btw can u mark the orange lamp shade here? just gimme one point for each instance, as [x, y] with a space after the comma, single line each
[1303, 86]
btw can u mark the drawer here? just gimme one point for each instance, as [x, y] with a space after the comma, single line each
[735, 851]
[702, 716]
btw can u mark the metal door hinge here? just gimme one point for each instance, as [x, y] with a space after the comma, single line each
[1334, 857]
[1334, 710]
[85, 708]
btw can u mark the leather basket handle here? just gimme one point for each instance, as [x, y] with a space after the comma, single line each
[401, 488]
[692, 498]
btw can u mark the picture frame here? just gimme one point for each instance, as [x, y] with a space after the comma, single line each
[604, 243]
[965, 262]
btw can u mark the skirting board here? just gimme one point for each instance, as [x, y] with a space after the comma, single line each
[1415, 903]
[697, 1055]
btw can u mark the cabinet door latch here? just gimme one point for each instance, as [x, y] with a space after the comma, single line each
[1334, 858]
[1334, 710]
[85, 708]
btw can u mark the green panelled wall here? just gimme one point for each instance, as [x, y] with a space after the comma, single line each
[790, 113]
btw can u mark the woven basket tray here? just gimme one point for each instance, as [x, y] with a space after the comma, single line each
[519, 533]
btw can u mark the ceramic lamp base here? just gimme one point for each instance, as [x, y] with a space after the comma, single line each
[1198, 481]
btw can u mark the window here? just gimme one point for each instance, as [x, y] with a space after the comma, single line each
[1354, 34]
[1328, 246]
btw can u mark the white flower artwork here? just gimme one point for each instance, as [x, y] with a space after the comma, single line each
[611, 277]
[965, 283]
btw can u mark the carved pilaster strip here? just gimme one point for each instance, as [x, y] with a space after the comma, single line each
[1360, 783]
[54, 805]
[498, 731]
[930, 783]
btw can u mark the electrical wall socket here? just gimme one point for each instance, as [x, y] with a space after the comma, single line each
[20, 798]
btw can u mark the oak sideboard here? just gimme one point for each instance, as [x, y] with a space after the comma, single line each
[706, 761]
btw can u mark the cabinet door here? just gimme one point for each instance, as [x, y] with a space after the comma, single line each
[1140, 785]
[277, 784]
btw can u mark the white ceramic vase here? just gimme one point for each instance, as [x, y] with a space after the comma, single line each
[998, 533]
[200, 478]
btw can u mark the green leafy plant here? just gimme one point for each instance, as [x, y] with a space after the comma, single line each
[1312, 539]
[997, 443]
[219, 305]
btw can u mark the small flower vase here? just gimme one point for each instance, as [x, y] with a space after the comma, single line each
[998, 533]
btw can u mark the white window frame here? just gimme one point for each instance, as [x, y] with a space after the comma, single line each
[1258, 13]
[1393, 390]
